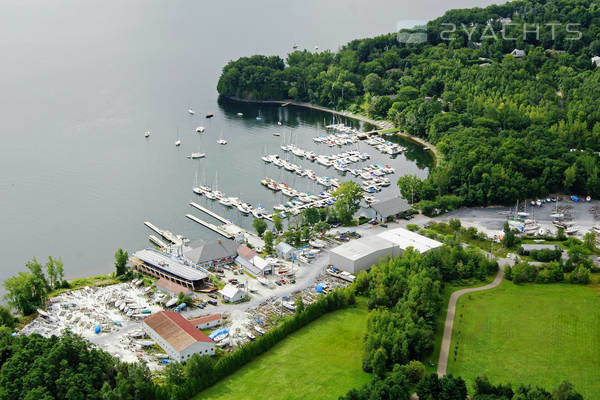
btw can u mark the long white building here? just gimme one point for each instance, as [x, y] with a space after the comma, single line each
[177, 336]
[361, 254]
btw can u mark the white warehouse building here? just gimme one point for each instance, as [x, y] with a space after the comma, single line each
[177, 336]
[361, 254]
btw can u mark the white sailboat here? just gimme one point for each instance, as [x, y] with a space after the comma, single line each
[191, 112]
[217, 193]
[178, 141]
[221, 140]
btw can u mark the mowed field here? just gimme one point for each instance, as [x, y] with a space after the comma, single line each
[534, 334]
[320, 361]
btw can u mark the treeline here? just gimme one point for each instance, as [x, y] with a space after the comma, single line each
[405, 297]
[508, 128]
[397, 386]
[67, 368]
[186, 380]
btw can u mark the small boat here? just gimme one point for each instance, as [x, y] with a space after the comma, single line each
[194, 156]
[209, 115]
[171, 303]
[226, 202]
[244, 208]
[191, 112]
[258, 212]
[588, 198]
[210, 195]
[147, 134]
[262, 281]
[200, 129]
[276, 134]
[220, 337]
[178, 143]
[240, 114]
[250, 336]
[259, 330]
[222, 141]
[278, 122]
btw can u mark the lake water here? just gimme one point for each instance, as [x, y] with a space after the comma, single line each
[81, 82]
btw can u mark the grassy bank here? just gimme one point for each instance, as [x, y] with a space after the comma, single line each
[322, 360]
[534, 334]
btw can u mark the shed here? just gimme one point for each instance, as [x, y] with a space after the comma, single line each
[172, 287]
[208, 321]
[389, 208]
[285, 251]
[517, 53]
[529, 247]
[232, 294]
[360, 254]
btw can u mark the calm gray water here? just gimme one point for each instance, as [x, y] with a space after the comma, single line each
[80, 82]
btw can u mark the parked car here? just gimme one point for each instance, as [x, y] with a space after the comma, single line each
[278, 283]
[383, 225]
[213, 302]
[212, 295]
[408, 217]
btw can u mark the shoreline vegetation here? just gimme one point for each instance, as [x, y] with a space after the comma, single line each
[383, 126]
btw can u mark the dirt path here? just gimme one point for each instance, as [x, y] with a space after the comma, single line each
[445, 349]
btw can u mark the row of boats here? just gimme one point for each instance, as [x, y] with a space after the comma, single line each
[230, 202]
[298, 200]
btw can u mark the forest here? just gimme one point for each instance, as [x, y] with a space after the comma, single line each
[507, 127]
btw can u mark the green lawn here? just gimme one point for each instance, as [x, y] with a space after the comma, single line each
[534, 334]
[320, 361]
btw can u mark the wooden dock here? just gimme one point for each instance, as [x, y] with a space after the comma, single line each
[156, 240]
[209, 212]
[172, 238]
[210, 226]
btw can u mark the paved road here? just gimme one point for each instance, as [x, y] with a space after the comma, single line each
[445, 349]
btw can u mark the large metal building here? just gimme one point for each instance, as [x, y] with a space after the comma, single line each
[360, 254]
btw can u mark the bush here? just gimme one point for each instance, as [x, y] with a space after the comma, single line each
[545, 255]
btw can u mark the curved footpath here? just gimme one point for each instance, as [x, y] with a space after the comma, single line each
[381, 125]
[445, 348]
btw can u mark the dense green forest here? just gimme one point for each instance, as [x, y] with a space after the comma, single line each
[508, 127]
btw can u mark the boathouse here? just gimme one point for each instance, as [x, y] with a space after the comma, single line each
[211, 254]
[161, 265]
[177, 336]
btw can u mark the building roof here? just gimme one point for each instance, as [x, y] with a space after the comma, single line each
[229, 291]
[200, 251]
[175, 330]
[246, 252]
[170, 286]
[284, 247]
[391, 206]
[170, 265]
[404, 238]
[357, 249]
[205, 319]
[529, 247]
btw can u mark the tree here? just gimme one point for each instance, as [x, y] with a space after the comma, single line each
[268, 238]
[321, 227]
[260, 226]
[299, 303]
[6, 317]
[54, 270]
[277, 222]
[410, 187]
[311, 215]
[414, 371]
[347, 200]
[121, 258]
[26, 292]
[508, 240]
[373, 84]
[379, 362]
[565, 391]
[589, 241]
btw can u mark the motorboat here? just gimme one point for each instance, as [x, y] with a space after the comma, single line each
[191, 112]
[222, 141]
[198, 191]
[240, 114]
[244, 208]
[147, 134]
[200, 129]
[226, 202]
[210, 195]
[194, 156]
[205, 188]
[276, 134]
[178, 143]
[210, 115]
[258, 212]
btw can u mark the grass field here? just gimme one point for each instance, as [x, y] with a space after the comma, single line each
[320, 361]
[534, 334]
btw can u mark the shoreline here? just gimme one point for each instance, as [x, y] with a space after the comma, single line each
[381, 125]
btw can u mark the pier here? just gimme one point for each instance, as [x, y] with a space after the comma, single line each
[209, 212]
[156, 240]
[169, 236]
[210, 226]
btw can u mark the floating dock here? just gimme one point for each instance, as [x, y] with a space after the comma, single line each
[209, 212]
[172, 238]
[210, 226]
[158, 242]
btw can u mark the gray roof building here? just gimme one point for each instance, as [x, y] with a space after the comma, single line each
[530, 247]
[388, 208]
[284, 250]
[201, 252]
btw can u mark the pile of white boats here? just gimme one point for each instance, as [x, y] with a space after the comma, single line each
[339, 139]
[298, 200]
[384, 146]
